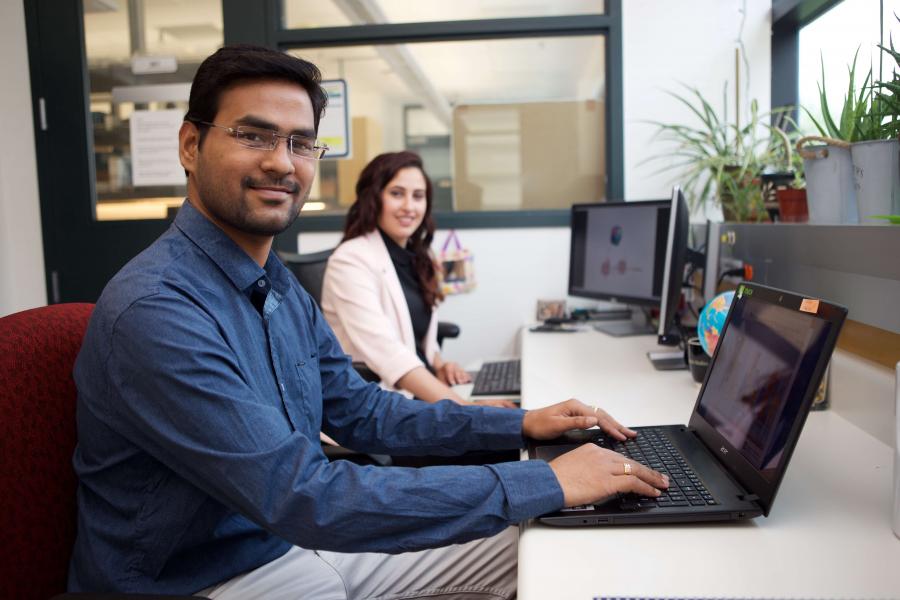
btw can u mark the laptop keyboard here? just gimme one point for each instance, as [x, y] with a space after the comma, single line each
[653, 449]
[496, 378]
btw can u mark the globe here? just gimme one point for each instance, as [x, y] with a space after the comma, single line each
[712, 320]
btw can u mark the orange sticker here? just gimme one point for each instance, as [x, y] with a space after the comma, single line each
[809, 305]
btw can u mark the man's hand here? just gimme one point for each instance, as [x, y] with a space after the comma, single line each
[553, 421]
[591, 474]
[450, 373]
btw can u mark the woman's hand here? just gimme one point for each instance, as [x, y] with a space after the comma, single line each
[498, 402]
[451, 373]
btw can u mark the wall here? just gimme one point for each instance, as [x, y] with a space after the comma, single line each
[21, 252]
[667, 45]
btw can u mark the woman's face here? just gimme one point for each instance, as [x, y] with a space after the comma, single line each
[403, 205]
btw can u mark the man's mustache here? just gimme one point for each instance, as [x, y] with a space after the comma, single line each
[289, 184]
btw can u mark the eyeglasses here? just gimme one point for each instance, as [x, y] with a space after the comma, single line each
[266, 139]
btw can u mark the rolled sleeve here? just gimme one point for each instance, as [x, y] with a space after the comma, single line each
[531, 488]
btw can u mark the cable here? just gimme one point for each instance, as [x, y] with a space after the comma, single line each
[746, 272]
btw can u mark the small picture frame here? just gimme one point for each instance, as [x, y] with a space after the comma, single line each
[547, 309]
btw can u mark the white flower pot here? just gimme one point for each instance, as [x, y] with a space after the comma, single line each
[876, 173]
[830, 187]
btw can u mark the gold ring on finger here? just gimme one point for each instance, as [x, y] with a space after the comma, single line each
[627, 468]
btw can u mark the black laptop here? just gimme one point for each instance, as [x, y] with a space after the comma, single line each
[728, 462]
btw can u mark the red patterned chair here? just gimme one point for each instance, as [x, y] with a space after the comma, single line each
[37, 437]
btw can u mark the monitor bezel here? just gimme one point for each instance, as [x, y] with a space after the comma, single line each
[633, 300]
[666, 309]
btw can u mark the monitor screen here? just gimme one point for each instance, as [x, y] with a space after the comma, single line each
[618, 250]
[764, 365]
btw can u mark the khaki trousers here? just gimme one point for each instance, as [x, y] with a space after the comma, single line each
[478, 570]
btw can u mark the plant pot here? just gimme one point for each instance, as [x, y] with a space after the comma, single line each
[876, 171]
[830, 187]
[792, 205]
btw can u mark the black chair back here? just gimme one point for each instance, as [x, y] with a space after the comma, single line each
[309, 269]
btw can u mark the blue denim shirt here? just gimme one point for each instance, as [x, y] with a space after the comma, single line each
[198, 426]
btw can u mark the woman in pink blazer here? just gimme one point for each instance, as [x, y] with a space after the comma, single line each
[381, 290]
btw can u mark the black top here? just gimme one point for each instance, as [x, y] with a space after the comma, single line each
[419, 312]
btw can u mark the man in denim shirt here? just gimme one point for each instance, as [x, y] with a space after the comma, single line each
[207, 374]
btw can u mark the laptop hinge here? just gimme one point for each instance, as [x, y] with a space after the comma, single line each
[748, 497]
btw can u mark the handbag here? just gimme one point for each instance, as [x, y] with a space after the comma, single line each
[457, 272]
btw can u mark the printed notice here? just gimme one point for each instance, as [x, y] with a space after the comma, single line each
[154, 147]
[334, 128]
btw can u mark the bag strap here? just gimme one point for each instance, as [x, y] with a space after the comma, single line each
[451, 236]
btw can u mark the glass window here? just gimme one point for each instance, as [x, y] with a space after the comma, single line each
[833, 39]
[303, 14]
[496, 132]
[142, 56]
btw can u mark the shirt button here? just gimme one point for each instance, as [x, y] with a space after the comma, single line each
[282, 386]
[261, 283]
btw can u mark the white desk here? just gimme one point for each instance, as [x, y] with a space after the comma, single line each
[828, 535]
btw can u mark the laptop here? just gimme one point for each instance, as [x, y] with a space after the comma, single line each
[728, 461]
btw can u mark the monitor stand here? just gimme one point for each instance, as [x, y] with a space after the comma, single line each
[635, 324]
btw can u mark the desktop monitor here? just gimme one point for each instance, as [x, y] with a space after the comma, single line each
[618, 252]
[673, 271]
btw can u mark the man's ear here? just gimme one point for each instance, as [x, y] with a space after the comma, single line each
[188, 145]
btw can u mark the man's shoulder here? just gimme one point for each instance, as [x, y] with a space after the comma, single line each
[170, 266]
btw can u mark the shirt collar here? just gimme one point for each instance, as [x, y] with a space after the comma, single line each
[226, 254]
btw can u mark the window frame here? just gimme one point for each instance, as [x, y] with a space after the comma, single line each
[245, 22]
[788, 18]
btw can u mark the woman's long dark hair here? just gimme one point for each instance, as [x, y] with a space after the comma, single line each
[363, 215]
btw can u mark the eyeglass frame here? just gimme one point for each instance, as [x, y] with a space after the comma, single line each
[289, 139]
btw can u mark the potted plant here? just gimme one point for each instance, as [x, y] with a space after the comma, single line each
[722, 160]
[854, 175]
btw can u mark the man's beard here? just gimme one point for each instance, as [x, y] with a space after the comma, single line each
[237, 213]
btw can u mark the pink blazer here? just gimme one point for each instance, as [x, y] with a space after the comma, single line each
[365, 306]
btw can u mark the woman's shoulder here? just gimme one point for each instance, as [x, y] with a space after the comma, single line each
[368, 247]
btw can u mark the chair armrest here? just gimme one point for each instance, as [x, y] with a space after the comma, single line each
[446, 330]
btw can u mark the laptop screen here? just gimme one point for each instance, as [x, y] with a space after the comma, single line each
[763, 369]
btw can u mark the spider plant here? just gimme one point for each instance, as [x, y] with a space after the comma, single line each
[718, 159]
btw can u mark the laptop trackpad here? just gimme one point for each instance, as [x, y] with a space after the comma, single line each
[548, 453]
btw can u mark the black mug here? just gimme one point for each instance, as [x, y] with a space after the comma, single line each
[698, 360]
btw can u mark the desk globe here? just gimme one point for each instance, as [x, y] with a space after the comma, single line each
[712, 320]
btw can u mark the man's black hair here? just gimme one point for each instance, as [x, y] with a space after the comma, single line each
[242, 63]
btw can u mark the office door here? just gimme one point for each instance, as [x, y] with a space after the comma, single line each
[110, 80]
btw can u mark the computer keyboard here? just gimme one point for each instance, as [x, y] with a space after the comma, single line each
[499, 378]
[653, 449]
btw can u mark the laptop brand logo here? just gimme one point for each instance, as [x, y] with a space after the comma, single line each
[723, 450]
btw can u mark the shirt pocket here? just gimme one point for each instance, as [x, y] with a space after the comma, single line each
[310, 383]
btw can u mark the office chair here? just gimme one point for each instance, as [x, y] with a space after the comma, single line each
[309, 269]
[37, 438]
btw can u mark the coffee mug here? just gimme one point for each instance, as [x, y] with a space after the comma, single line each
[698, 360]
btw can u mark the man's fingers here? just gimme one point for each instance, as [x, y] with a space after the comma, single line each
[633, 484]
[624, 467]
[577, 422]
